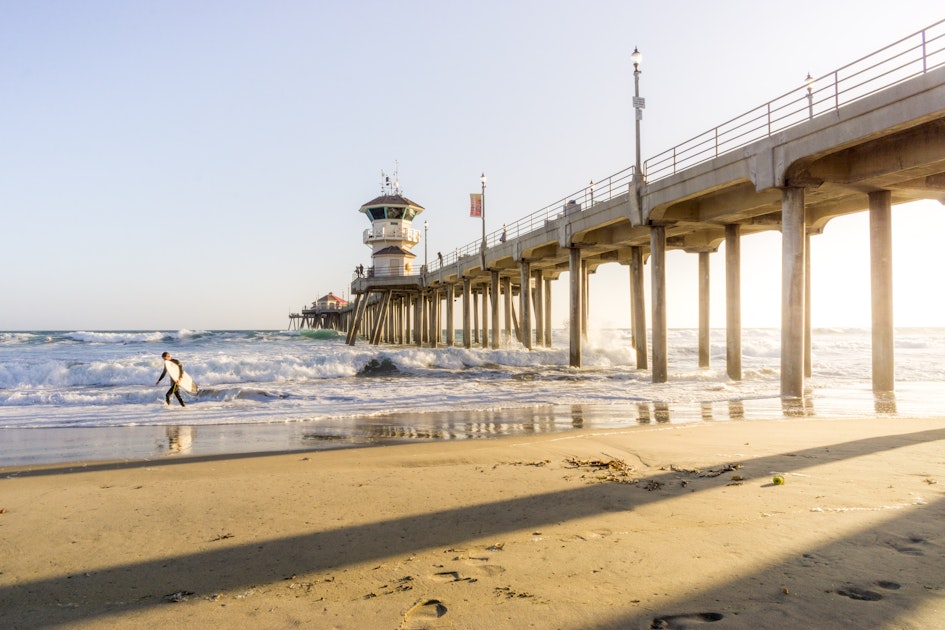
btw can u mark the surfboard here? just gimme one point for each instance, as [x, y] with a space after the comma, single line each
[187, 384]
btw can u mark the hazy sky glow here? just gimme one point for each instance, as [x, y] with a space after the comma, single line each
[172, 164]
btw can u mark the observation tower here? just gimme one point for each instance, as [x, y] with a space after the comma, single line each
[391, 235]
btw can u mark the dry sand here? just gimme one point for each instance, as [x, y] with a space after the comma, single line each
[638, 528]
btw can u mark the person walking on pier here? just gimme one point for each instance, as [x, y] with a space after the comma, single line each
[175, 382]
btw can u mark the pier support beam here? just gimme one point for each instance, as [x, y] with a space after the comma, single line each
[507, 307]
[704, 296]
[359, 305]
[807, 302]
[882, 290]
[585, 298]
[575, 275]
[547, 312]
[658, 289]
[538, 303]
[475, 314]
[526, 307]
[450, 326]
[496, 332]
[418, 320]
[434, 301]
[485, 315]
[467, 333]
[381, 320]
[793, 231]
[733, 302]
[638, 305]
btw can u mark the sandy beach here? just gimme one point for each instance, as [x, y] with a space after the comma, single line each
[648, 527]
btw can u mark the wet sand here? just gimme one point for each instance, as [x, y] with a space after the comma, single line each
[651, 526]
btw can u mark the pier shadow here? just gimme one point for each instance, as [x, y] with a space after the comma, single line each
[145, 584]
[866, 579]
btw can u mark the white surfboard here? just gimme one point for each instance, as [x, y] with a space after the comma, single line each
[186, 383]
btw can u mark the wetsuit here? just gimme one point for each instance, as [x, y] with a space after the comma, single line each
[173, 389]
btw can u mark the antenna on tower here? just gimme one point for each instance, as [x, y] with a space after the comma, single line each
[390, 186]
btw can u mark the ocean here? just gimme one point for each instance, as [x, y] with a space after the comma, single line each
[90, 395]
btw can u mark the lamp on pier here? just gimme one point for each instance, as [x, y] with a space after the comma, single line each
[638, 105]
[425, 259]
[809, 81]
[482, 178]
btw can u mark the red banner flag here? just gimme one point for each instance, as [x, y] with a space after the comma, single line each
[475, 204]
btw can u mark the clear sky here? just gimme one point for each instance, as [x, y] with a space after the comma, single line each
[200, 165]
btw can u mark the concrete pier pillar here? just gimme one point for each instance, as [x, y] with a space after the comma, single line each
[807, 299]
[658, 295]
[733, 302]
[485, 315]
[418, 321]
[434, 318]
[467, 308]
[882, 290]
[450, 325]
[424, 317]
[638, 305]
[704, 296]
[585, 298]
[547, 312]
[359, 305]
[475, 313]
[507, 295]
[496, 334]
[538, 304]
[526, 307]
[793, 230]
[575, 310]
[407, 320]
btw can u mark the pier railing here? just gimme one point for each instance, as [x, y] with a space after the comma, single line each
[595, 192]
[905, 59]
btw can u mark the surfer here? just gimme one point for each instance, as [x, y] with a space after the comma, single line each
[174, 383]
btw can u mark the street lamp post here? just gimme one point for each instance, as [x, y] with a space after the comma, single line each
[425, 259]
[482, 178]
[638, 105]
[810, 95]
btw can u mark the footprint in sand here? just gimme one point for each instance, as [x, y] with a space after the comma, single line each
[680, 622]
[427, 613]
[451, 576]
[906, 549]
[483, 566]
[859, 594]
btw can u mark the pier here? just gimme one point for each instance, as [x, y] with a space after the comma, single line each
[865, 137]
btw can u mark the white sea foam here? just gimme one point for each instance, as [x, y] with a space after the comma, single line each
[88, 378]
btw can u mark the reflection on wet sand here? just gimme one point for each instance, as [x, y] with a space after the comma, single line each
[577, 416]
[885, 402]
[459, 425]
[797, 407]
[180, 440]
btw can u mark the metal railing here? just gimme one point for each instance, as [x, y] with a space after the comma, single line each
[905, 59]
[390, 233]
[386, 272]
[594, 193]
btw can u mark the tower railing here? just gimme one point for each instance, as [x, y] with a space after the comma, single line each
[388, 233]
